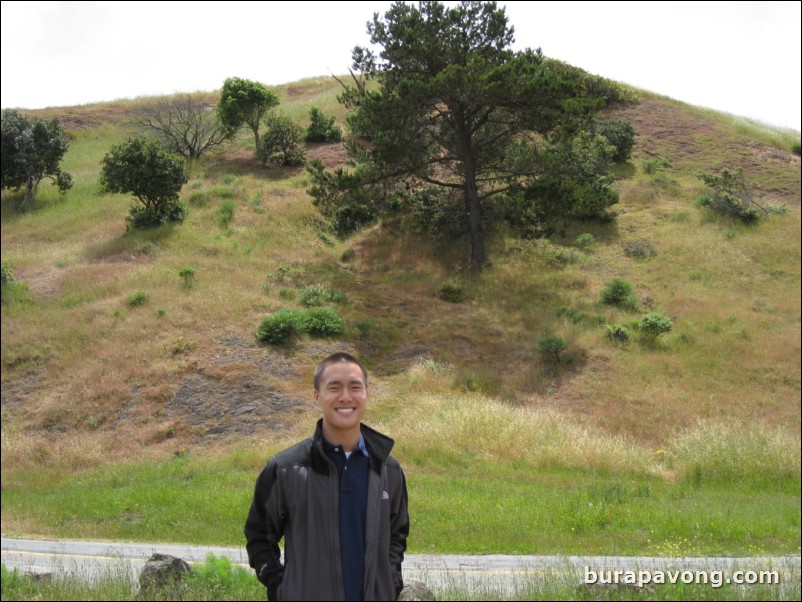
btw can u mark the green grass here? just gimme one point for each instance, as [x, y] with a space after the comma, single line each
[217, 579]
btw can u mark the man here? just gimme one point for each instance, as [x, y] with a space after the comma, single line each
[338, 499]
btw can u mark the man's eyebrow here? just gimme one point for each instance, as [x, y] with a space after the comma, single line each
[356, 381]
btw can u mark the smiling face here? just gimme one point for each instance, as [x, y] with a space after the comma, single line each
[342, 398]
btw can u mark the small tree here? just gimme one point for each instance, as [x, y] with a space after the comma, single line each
[653, 324]
[321, 128]
[153, 176]
[282, 143]
[243, 101]
[731, 194]
[32, 152]
[184, 124]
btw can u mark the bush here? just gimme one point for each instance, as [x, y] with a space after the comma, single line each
[585, 240]
[280, 327]
[225, 212]
[621, 135]
[317, 295]
[322, 322]
[187, 277]
[321, 128]
[282, 142]
[8, 275]
[732, 195]
[652, 166]
[796, 149]
[620, 293]
[452, 293]
[137, 298]
[550, 347]
[640, 248]
[618, 333]
[654, 324]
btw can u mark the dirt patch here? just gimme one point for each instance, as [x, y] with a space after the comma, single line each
[331, 155]
[218, 408]
[42, 282]
[17, 391]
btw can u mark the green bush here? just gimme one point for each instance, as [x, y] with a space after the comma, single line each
[322, 322]
[620, 293]
[452, 293]
[550, 346]
[618, 333]
[187, 276]
[8, 275]
[797, 149]
[652, 166]
[654, 324]
[585, 241]
[621, 135]
[279, 327]
[282, 142]
[732, 195]
[225, 212]
[321, 128]
[317, 295]
[137, 298]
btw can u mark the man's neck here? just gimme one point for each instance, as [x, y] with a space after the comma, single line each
[349, 440]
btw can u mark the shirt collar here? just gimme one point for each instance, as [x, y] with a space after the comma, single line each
[327, 447]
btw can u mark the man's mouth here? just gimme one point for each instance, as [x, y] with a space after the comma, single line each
[345, 410]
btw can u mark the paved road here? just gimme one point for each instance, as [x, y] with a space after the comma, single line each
[487, 573]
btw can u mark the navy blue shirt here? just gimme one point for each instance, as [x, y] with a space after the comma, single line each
[353, 473]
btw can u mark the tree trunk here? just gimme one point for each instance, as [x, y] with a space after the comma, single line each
[255, 129]
[474, 205]
[31, 187]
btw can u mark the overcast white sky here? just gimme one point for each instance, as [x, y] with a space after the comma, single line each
[738, 57]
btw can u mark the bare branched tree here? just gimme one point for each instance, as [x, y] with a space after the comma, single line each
[184, 123]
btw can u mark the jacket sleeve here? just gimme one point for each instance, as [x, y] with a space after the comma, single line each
[264, 528]
[399, 530]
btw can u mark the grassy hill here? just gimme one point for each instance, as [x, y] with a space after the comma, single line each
[108, 358]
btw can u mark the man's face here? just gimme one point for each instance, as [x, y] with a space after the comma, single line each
[342, 397]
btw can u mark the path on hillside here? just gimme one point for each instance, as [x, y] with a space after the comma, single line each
[475, 572]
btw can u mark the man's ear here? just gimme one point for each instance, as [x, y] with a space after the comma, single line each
[317, 397]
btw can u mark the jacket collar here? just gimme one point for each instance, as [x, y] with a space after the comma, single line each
[379, 447]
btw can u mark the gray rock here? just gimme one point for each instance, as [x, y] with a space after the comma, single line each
[160, 572]
[415, 590]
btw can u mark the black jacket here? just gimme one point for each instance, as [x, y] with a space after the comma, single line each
[297, 496]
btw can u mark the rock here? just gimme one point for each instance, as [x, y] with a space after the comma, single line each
[415, 590]
[161, 571]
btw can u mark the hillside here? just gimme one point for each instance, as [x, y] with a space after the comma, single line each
[87, 374]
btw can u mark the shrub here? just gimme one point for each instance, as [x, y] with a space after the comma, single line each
[225, 212]
[640, 248]
[280, 327]
[452, 293]
[621, 135]
[8, 275]
[585, 240]
[317, 295]
[321, 128]
[282, 142]
[322, 322]
[618, 333]
[187, 276]
[141, 217]
[732, 195]
[654, 324]
[550, 347]
[652, 166]
[137, 298]
[796, 149]
[620, 293]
